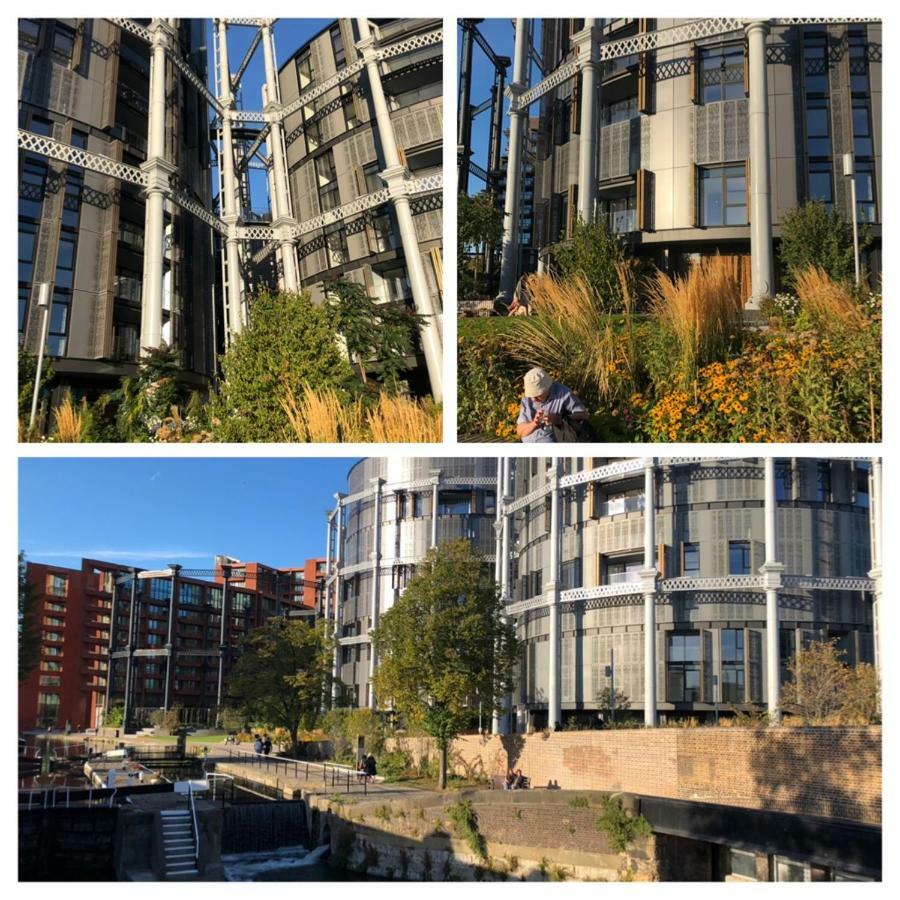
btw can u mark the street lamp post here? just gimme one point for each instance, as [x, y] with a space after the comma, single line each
[849, 173]
[43, 304]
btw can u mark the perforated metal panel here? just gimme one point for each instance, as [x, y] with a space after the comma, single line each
[721, 132]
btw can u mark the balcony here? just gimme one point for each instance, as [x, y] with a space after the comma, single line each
[621, 221]
[629, 577]
[618, 505]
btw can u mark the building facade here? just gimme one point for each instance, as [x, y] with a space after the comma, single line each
[394, 511]
[169, 645]
[85, 83]
[336, 152]
[587, 577]
[670, 156]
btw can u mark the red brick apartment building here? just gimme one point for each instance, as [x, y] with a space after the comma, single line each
[176, 647]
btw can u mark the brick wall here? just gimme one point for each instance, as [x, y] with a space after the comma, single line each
[831, 772]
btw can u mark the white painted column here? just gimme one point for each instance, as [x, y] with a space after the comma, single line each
[397, 177]
[554, 703]
[876, 552]
[497, 718]
[435, 488]
[336, 597]
[281, 211]
[588, 43]
[228, 201]
[762, 261]
[648, 577]
[158, 170]
[771, 572]
[509, 259]
[506, 725]
[375, 556]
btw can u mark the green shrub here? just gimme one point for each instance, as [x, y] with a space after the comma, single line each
[114, 717]
[465, 823]
[393, 765]
[620, 828]
[814, 236]
[594, 253]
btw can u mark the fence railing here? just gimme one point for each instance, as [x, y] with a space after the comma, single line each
[340, 778]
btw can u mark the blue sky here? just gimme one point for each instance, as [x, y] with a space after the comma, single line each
[500, 36]
[150, 512]
[290, 35]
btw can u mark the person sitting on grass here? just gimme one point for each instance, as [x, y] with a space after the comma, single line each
[547, 410]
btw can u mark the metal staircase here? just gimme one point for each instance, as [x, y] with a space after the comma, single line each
[179, 836]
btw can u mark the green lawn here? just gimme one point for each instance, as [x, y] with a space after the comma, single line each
[192, 739]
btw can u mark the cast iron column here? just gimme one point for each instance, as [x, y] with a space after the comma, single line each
[435, 492]
[553, 686]
[158, 170]
[588, 43]
[771, 572]
[464, 111]
[648, 577]
[336, 588]
[228, 200]
[509, 262]
[376, 584]
[397, 177]
[762, 265]
[170, 635]
[129, 660]
[876, 553]
[224, 617]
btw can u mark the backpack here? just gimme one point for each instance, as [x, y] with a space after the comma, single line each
[574, 431]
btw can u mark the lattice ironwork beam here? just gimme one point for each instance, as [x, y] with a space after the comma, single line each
[133, 28]
[338, 78]
[407, 45]
[196, 81]
[251, 23]
[189, 204]
[257, 143]
[95, 162]
[263, 252]
[239, 74]
[255, 232]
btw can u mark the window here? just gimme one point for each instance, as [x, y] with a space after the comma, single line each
[739, 557]
[50, 681]
[326, 176]
[723, 195]
[691, 559]
[63, 42]
[862, 485]
[337, 47]
[783, 482]
[815, 61]
[862, 129]
[336, 245]
[490, 503]
[623, 571]
[742, 863]
[454, 503]
[859, 68]
[27, 240]
[571, 574]
[160, 589]
[823, 481]
[732, 665]
[304, 70]
[864, 176]
[683, 667]
[818, 135]
[419, 505]
[620, 213]
[351, 119]
[619, 111]
[721, 74]
[820, 186]
[189, 593]
[29, 32]
[58, 585]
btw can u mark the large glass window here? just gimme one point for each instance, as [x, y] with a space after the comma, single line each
[721, 74]
[29, 32]
[821, 182]
[739, 557]
[304, 70]
[818, 133]
[160, 589]
[337, 47]
[336, 245]
[783, 482]
[864, 175]
[862, 484]
[683, 667]
[815, 60]
[326, 176]
[862, 128]
[723, 195]
[57, 585]
[732, 665]
[618, 111]
[63, 42]
[691, 559]
[454, 503]
[823, 481]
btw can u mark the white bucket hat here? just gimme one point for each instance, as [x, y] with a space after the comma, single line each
[537, 381]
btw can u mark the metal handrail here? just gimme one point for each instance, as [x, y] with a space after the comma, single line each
[194, 817]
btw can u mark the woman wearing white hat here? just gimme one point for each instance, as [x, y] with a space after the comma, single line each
[546, 403]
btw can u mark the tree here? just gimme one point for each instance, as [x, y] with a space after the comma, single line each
[595, 254]
[478, 223]
[375, 332]
[29, 637]
[814, 236]
[288, 342]
[283, 675]
[825, 690]
[617, 702]
[444, 646]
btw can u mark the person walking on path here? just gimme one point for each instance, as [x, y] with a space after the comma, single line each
[267, 745]
[257, 745]
[371, 768]
[548, 410]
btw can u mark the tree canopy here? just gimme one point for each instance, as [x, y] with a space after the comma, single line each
[814, 236]
[379, 333]
[444, 646]
[594, 253]
[283, 675]
[289, 342]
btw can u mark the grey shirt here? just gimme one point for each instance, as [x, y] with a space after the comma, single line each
[560, 401]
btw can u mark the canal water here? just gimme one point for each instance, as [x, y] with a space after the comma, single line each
[285, 864]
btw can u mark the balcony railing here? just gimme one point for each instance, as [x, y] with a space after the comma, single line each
[629, 577]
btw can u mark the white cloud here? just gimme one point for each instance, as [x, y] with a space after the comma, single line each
[113, 555]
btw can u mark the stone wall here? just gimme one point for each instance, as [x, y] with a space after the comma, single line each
[830, 772]
[67, 844]
[529, 836]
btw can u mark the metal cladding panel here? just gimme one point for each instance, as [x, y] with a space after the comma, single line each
[721, 132]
